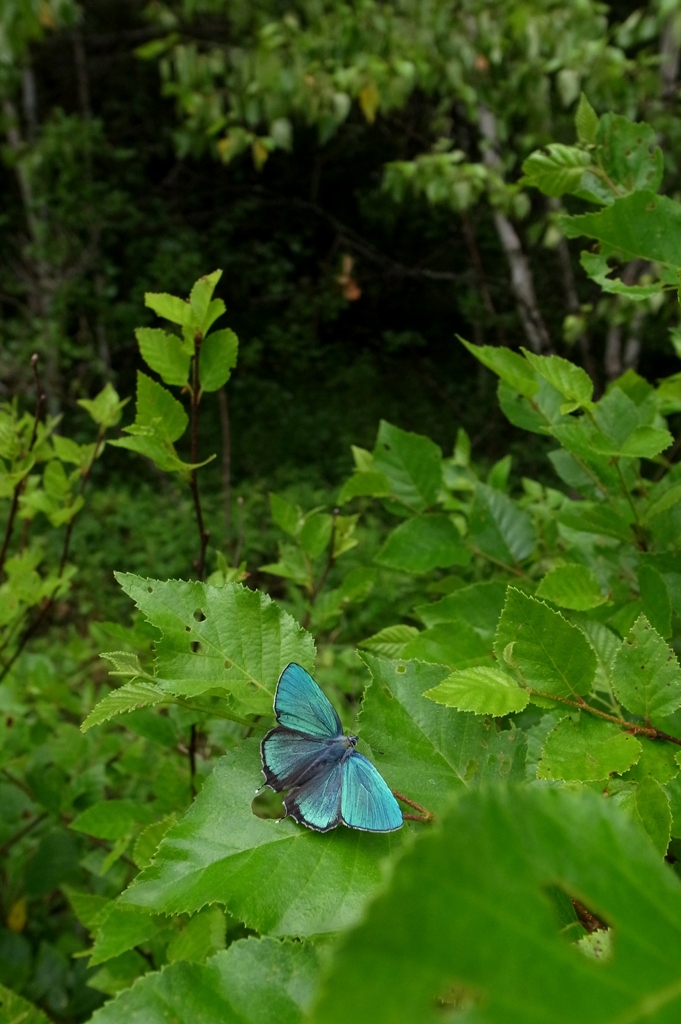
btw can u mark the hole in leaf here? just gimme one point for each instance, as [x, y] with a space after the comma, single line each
[199, 616]
[228, 663]
[268, 804]
[401, 668]
[150, 590]
[196, 646]
[188, 629]
[578, 924]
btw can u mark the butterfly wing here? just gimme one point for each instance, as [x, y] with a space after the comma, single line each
[290, 758]
[317, 803]
[366, 801]
[299, 704]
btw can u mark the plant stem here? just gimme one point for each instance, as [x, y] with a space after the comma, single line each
[636, 730]
[19, 487]
[502, 565]
[226, 430]
[204, 534]
[640, 530]
[424, 816]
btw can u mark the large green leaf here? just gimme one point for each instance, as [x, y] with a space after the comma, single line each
[227, 640]
[499, 527]
[217, 359]
[165, 354]
[466, 921]
[509, 366]
[572, 381]
[551, 654]
[255, 981]
[412, 465]
[485, 691]
[585, 749]
[629, 153]
[159, 410]
[572, 586]
[642, 225]
[646, 674]
[424, 543]
[129, 697]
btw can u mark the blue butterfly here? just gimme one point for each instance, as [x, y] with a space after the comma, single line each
[307, 753]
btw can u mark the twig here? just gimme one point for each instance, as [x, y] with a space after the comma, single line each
[588, 920]
[19, 486]
[424, 816]
[238, 547]
[204, 534]
[502, 565]
[636, 730]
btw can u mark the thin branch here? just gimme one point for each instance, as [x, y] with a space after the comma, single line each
[502, 565]
[636, 730]
[424, 816]
[21, 833]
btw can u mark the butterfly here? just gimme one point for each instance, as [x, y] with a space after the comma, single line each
[308, 754]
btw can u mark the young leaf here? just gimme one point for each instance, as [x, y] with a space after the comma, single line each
[316, 533]
[574, 383]
[551, 655]
[557, 170]
[390, 642]
[485, 691]
[165, 354]
[423, 543]
[255, 981]
[596, 266]
[586, 122]
[646, 673]
[200, 298]
[499, 527]
[158, 409]
[112, 819]
[244, 640]
[508, 365]
[218, 359]
[286, 516]
[583, 748]
[170, 307]
[120, 928]
[594, 517]
[147, 841]
[364, 484]
[106, 407]
[473, 891]
[412, 464]
[572, 586]
[126, 698]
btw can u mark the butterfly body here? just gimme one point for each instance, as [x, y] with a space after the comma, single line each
[328, 780]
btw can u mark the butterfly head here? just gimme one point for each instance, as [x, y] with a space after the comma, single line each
[352, 740]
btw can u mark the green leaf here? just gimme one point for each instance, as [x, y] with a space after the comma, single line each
[411, 463]
[364, 484]
[657, 761]
[485, 691]
[218, 358]
[520, 411]
[624, 149]
[596, 266]
[499, 527]
[112, 819]
[557, 170]
[649, 806]
[170, 307]
[586, 122]
[202, 936]
[450, 643]
[390, 642]
[667, 500]
[583, 748]
[478, 605]
[126, 698]
[316, 534]
[572, 586]
[119, 973]
[286, 516]
[165, 354]
[551, 654]
[158, 409]
[423, 543]
[105, 409]
[641, 225]
[657, 604]
[120, 928]
[646, 673]
[510, 366]
[221, 852]
[572, 381]
[255, 981]
[465, 915]
[147, 841]
[15, 1010]
[594, 517]
[244, 639]
[200, 299]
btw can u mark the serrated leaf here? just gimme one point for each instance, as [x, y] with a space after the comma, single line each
[106, 408]
[412, 465]
[586, 121]
[594, 517]
[120, 928]
[556, 170]
[499, 527]
[473, 892]
[508, 365]
[125, 663]
[657, 604]
[572, 586]
[596, 266]
[16, 1010]
[624, 149]
[583, 748]
[364, 484]
[424, 543]
[648, 805]
[572, 381]
[149, 838]
[666, 501]
[218, 358]
[642, 224]
[551, 654]
[657, 761]
[646, 673]
[244, 639]
[478, 605]
[165, 354]
[450, 643]
[129, 697]
[390, 642]
[200, 298]
[286, 516]
[255, 981]
[202, 936]
[159, 410]
[112, 819]
[170, 307]
[484, 691]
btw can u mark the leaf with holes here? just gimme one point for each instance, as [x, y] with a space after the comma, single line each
[646, 674]
[227, 640]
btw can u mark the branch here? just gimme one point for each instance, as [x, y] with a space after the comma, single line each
[636, 730]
